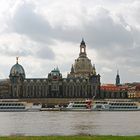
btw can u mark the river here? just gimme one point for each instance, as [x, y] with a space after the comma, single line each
[69, 123]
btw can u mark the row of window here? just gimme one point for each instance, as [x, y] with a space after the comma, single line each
[79, 105]
[123, 107]
[12, 107]
[123, 104]
[5, 104]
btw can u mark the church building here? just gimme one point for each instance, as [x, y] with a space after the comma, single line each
[81, 82]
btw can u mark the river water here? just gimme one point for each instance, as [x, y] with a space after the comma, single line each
[69, 123]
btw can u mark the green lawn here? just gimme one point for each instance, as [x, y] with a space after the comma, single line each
[71, 138]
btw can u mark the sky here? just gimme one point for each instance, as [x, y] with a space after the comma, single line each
[47, 33]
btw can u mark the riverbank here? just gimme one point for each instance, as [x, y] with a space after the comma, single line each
[70, 138]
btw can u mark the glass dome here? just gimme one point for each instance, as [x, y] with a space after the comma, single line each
[17, 70]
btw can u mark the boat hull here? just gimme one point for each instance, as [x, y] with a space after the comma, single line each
[74, 109]
[115, 109]
[13, 110]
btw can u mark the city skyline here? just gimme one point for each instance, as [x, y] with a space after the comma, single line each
[44, 37]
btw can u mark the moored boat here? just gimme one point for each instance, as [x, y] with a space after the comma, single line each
[116, 105]
[17, 106]
[78, 106]
[102, 105]
[12, 106]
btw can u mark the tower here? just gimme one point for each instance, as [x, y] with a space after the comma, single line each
[82, 79]
[55, 84]
[17, 76]
[117, 78]
[82, 49]
[82, 68]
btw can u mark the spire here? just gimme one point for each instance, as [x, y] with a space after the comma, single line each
[117, 78]
[72, 69]
[82, 49]
[57, 68]
[17, 59]
[117, 72]
[83, 42]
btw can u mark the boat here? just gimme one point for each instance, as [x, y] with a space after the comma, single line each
[78, 106]
[17, 106]
[12, 106]
[116, 105]
[102, 105]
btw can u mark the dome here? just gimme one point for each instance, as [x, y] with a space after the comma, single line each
[17, 69]
[55, 74]
[82, 65]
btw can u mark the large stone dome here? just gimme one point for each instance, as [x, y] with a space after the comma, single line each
[82, 66]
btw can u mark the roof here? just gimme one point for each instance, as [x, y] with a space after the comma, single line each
[112, 87]
[17, 69]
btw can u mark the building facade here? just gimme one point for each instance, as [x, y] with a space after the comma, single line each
[4, 88]
[134, 92]
[81, 82]
[111, 91]
[114, 91]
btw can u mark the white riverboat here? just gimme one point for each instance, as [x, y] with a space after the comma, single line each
[116, 105]
[78, 106]
[6, 106]
[17, 106]
[102, 105]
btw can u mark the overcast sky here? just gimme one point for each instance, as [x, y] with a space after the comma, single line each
[47, 33]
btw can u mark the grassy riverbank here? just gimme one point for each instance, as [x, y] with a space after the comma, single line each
[71, 138]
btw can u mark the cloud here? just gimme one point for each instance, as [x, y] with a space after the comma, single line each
[100, 30]
[14, 45]
[25, 21]
[9, 51]
[45, 52]
[111, 29]
[31, 32]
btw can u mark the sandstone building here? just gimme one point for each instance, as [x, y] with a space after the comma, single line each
[81, 82]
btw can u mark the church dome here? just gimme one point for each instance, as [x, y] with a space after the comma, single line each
[82, 65]
[17, 69]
